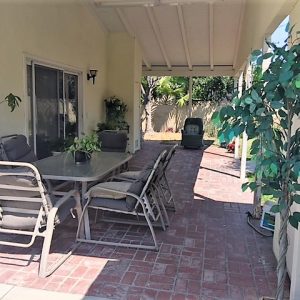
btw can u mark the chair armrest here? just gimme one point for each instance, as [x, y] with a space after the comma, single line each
[87, 195]
[115, 191]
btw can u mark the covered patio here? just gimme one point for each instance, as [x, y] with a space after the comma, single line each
[208, 252]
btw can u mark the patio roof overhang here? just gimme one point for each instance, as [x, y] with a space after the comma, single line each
[193, 37]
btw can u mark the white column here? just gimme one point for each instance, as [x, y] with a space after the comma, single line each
[248, 79]
[237, 147]
[239, 87]
[190, 95]
[244, 157]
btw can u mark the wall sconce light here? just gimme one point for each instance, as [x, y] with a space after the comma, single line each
[92, 75]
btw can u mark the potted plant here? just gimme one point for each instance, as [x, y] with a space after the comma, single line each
[82, 148]
[115, 115]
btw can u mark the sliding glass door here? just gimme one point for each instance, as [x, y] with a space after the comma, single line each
[54, 108]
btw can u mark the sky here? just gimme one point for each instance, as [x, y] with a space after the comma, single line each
[279, 35]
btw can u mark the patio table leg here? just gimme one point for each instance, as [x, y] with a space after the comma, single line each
[86, 219]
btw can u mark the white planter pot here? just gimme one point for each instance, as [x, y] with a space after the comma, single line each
[293, 253]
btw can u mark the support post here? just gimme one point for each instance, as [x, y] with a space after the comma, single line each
[239, 88]
[244, 157]
[248, 79]
[190, 96]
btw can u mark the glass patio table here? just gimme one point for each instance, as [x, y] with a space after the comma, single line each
[62, 167]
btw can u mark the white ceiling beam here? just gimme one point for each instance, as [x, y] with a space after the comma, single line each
[132, 34]
[184, 71]
[211, 36]
[238, 39]
[158, 35]
[149, 3]
[183, 35]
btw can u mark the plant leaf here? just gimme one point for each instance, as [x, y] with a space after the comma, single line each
[275, 209]
[293, 222]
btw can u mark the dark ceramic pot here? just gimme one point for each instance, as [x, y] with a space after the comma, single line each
[81, 157]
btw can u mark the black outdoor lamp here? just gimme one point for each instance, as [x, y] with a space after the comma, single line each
[92, 74]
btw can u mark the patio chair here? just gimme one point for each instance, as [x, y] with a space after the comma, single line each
[127, 198]
[192, 134]
[15, 148]
[113, 141]
[160, 182]
[27, 211]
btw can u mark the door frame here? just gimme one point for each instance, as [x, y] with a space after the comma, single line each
[30, 60]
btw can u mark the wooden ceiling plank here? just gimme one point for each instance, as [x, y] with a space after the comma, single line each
[131, 33]
[158, 35]
[238, 39]
[211, 36]
[184, 36]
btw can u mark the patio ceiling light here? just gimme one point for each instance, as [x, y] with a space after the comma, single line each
[92, 75]
[149, 2]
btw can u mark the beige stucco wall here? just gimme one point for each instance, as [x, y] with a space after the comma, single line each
[123, 81]
[261, 18]
[166, 117]
[60, 32]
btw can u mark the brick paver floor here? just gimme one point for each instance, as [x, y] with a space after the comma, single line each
[208, 252]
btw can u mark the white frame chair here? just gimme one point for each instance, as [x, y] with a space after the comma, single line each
[46, 217]
[150, 210]
[160, 183]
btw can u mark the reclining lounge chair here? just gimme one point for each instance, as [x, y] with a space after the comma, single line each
[192, 134]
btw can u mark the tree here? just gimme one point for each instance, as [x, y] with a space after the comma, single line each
[149, 85]
[266, 112]
[212, 88]
[173, 89]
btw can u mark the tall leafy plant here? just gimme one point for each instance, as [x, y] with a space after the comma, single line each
[267, 111]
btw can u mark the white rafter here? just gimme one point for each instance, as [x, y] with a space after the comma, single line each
[183, 35]
[184, 71]
[131, 33]
[211, 36]
[238, 39]
[149, 3]
[158, 36]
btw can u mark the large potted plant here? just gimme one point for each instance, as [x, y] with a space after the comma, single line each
[266, 111]
[82, 148]
[115, 115]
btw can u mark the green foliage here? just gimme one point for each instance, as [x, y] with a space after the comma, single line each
[12, 100]
[87, 144]
[173, 89]
[115, 115]
[212, 88]
[266, 112]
